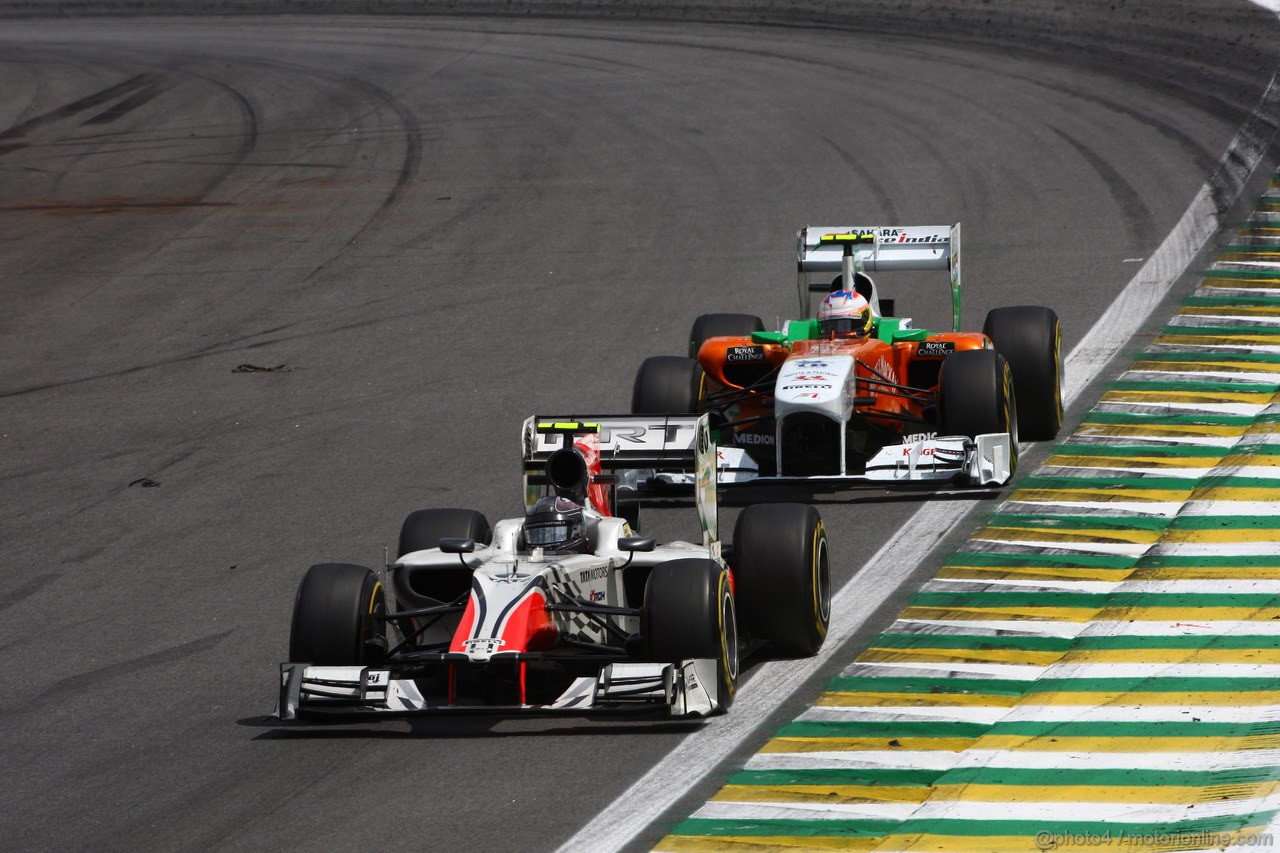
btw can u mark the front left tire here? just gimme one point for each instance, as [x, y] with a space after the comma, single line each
[782, 576]
[689, 612]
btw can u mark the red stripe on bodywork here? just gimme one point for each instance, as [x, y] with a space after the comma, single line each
[463, 632]
[528, 627]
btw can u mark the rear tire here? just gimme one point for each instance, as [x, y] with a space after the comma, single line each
[689, 612]
[667, 385]
[424, 529]
[782, 576]
[335, 617]
[721, 326]
[1030, 339]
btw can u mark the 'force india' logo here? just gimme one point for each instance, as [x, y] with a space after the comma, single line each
[897, 235]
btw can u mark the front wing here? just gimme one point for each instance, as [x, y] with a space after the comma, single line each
[986, 460]
[687, 689]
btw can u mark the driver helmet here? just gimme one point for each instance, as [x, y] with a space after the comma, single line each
[555, 523]
[844, 314]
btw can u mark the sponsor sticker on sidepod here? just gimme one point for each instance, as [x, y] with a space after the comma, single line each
[740, 354]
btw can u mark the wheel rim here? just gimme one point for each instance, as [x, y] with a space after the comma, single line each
[369, 619]
[728, 633]
[821, 579]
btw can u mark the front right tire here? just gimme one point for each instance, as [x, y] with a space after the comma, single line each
[336, 617]
[721, 326]
[667, 385]
[1030, 339]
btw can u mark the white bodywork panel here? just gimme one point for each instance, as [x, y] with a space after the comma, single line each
[686, 689]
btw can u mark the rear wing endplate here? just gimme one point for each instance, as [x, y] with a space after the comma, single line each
[822, 250]
[658, 443]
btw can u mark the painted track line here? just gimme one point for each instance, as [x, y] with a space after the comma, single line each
[700, 752]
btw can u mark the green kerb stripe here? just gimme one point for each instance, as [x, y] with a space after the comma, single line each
[1095, 600]
[865, 728]
[982, 642]
[1134, 777]
[799, 828]
[1012, 687]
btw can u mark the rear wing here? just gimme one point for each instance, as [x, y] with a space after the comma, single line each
[674, 444]
[827, 251]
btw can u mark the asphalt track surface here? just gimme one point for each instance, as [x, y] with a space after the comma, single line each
[434, 227]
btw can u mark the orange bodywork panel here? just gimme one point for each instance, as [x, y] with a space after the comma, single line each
[896, 381]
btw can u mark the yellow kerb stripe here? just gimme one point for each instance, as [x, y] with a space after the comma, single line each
[1040, 534]
[1057, 743]
[769, 843]
[1175, 794]
[1011, 656]
[864, 744]
[1071, 461]
[859, 699]
[822, 794]
[1042, 573]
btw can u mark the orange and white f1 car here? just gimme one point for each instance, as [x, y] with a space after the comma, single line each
[873, 400]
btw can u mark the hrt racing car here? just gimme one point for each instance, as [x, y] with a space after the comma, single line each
[564, 610]
[855, 394]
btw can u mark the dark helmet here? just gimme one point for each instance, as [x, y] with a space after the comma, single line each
[555, 524]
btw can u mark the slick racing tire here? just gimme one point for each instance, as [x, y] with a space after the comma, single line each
[424, 529]
[782, 577]
[667, 385]
[976, 396]
[1030, 339]
[336, 617]
[721, 326]
[688, 612]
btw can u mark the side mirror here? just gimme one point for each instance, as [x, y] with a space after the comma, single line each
[457, 546]
[636, 543]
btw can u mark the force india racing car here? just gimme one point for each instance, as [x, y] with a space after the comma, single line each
[473, 618]
[900, 405]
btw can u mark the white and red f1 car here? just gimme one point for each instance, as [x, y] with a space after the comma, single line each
[472, 618]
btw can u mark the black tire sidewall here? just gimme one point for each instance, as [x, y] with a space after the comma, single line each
[1030, 339]
[424, 528]
[721, 326]
[684, 617]
[781, 564]
[335, 615]
[667, 385]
